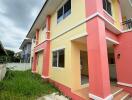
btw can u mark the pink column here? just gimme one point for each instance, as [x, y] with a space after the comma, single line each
[97, 59]
[46, 52]
[37, 36]
[34, 64]
[99, 82]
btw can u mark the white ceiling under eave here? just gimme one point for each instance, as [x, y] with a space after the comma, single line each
[49, 8]
[126, 8]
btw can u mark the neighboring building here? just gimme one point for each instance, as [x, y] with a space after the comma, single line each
[26, 51]
[84, 47]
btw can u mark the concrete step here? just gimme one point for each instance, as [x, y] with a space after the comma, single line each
[128, 98]
[121, 95]
[117, 92]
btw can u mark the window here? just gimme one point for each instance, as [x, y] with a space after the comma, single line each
[60, 15]
[55, 58]
[58, 58]
[107, 6]
[64, 11]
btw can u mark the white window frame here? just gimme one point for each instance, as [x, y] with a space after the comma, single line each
[56, 50]
[63, 16]
[110, 1]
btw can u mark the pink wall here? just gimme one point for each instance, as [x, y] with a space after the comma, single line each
[46, 54]
[111, 35]
[124, 62]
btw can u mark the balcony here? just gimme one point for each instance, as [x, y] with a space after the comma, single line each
[127, 24]
[126, 8]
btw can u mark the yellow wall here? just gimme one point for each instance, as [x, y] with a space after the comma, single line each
[42, 35]
[115, 12]
[40, 62]
[65, 75]
[75, 63]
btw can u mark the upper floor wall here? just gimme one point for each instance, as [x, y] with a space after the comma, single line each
[112, 12]
[42, 34]
[65, 14]
[69, 18]
[27, 49]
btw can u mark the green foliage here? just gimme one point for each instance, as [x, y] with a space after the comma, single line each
[9, 57]
[23, 85]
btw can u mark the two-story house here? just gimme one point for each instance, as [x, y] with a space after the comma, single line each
[26, 50]
[84, 47]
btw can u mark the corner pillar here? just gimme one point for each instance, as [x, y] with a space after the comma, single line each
[34, 64]
[46, 52]
[99, 81]
[37, 36]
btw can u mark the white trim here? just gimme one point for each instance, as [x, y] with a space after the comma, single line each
[47, 31]
[79, 36]
[127, 30]
[39, 50]
[92, 96]
[61, 5]
[47, 40]
[109, 14]
[125, 84]
[101, 16]
[60, 48]
[34, 72]
[123, 98]
[45, 77]
[130, 1]
[118, 91]
[85, 85]
[85, 20]
[76, 25]
[109, 39]
[58, 57]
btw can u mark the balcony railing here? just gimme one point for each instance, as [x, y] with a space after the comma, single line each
[127, 25]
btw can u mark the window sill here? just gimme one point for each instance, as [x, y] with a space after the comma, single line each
[109, 17]
[58, 68]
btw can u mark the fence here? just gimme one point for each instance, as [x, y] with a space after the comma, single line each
[18, 66]
[2, 71]
[127, 24]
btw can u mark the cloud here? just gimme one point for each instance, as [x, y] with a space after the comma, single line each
[16, 18]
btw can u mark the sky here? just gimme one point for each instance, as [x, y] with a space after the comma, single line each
[16, 18]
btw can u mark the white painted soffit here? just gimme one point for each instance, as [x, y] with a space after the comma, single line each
[48, 8]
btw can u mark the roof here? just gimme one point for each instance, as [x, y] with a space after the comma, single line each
[48, 8]
[2, 50]
[36, 19]
[25, 41]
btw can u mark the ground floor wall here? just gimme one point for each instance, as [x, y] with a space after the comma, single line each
[123, 55]
[69, 75]
[39, 64]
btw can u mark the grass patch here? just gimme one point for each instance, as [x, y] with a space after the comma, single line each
[23, 85]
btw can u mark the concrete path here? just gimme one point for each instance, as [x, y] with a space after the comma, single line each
[53, 96]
